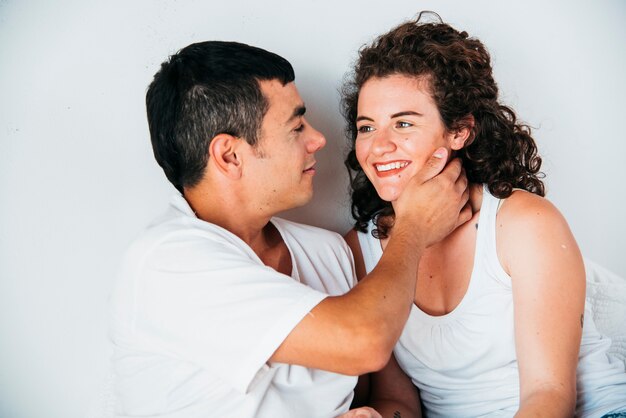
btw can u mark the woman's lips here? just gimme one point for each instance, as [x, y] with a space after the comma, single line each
[390, 168]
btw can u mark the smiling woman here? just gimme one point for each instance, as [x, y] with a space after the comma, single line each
[398, 128]
[496, 326]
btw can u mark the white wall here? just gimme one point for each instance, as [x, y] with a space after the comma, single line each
[78, 180]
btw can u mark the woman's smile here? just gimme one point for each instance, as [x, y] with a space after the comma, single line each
[392, 168]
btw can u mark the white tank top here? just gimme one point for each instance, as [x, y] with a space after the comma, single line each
[464, 362]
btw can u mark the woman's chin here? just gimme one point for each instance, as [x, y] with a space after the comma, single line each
[389, 195]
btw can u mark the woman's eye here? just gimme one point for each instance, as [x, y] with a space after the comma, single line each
[364, 129]
[404, 124]
[300, 128]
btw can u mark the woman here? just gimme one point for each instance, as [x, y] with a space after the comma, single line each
[498, 317]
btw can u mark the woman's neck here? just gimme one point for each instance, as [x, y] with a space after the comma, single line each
[475, 197]
[475, 202]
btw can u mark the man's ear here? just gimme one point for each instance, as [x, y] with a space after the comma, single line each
[464, 134]
[224, 156]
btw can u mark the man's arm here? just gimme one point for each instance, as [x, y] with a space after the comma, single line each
[355, 333]
[389, 391]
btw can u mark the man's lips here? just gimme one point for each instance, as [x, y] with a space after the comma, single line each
[390, 168]
[310, 170]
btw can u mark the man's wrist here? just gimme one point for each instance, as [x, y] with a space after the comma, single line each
[408, 235]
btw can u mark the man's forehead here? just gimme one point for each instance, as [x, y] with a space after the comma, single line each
[284, 100]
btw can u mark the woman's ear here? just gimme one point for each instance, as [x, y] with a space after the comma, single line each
[464, 134]
[224, 156]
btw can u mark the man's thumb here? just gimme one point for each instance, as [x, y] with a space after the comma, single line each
[434, 165]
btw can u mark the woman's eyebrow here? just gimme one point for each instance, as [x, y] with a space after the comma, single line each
[395, 115]
[406, 113]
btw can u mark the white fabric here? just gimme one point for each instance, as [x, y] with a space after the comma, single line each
[464, 362]
[196, 315]
[606, 296]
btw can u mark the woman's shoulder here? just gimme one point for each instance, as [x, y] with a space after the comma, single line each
[352, 239]
[528, 225]
[524, 209]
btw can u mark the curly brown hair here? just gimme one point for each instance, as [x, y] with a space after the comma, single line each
[500, 151]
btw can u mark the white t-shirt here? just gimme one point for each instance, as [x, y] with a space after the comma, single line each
[196, 316]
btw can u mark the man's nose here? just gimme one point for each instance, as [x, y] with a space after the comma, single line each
[316, 141]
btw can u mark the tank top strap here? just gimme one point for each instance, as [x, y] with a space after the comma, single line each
[486, 239]
[370, 247]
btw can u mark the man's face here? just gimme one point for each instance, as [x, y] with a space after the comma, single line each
[281, 168]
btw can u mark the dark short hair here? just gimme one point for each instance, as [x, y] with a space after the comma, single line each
[203, 90]
[500, 151]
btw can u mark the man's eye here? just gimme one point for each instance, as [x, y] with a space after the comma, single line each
[300, 128]
[364, 129]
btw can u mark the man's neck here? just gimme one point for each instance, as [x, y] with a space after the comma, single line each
[258, 232]
[238, 217]
[240, 212]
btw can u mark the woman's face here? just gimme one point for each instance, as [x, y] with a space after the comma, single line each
[398, 129]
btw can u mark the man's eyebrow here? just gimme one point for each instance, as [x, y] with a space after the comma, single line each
[297, 112]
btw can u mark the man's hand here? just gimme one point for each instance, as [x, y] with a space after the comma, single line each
[364, 412]
[355, 333]
[435, 201]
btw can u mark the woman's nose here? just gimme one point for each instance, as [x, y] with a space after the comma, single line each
[383, 143]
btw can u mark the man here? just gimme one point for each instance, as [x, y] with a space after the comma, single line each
[221, 309]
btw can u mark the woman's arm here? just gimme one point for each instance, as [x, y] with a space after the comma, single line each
[389, 391]
[538, 250]
[392, 393]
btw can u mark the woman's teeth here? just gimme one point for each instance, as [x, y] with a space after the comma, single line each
[391, 166]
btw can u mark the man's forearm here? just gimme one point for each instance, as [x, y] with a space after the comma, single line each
[368, 321]
[386, 294]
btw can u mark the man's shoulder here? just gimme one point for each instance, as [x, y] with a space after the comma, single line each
[313, 241]
[172, 225]
[176, 235]
[324, 260]
[308, 233]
